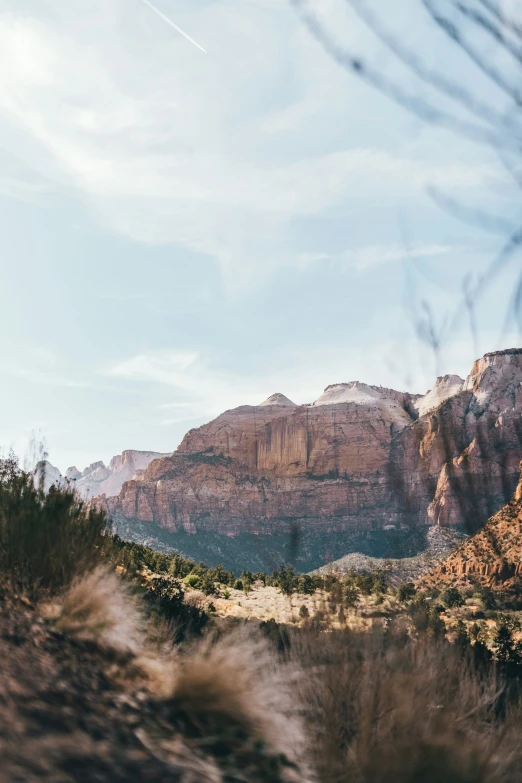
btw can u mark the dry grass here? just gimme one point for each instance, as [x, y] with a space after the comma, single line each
[232, 694]
[100, 608]
[264, 603]
[227, 698]
[383, 707]
[353, 705]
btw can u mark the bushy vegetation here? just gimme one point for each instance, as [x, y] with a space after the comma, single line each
[46, 539]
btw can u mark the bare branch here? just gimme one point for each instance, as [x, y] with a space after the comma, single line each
[500, 261]
[490, 27]
[512, 170]
[455, 34]
[511, 24]
[415, 104]
[435, 79]
[477, 218]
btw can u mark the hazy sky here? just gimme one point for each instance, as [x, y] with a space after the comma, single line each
[185, 232]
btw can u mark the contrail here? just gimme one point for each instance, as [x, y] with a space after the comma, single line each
[175, 26]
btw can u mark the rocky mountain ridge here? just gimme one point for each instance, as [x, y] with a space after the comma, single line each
[360, 458]
[97, 479]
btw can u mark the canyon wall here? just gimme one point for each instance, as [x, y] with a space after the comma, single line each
[360, 457]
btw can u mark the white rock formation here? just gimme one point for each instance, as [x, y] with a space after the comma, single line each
[97, 479]
[389, 401]
[495, 380]
[277, 399]
[446, 386]
[46, 475]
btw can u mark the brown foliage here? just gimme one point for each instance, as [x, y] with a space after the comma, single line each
[383, 707]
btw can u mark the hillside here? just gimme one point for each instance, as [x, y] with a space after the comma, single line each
[492, 557]
[436, 545]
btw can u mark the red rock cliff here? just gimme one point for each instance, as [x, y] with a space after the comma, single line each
[359, 456]
[492, 557]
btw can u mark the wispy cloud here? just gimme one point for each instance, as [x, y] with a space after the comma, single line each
[165, 367]
[172, 24]
[371, 255]
[157, 152]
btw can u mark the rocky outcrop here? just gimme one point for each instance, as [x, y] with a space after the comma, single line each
[46, 476]
[360, 457]
[100, 480]
[492, 557]
[445, 387]
[458, 463]
[97, 479]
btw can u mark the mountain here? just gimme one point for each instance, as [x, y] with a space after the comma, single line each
[97, 479]
[47, 475]
[492, 557]
[359, 467]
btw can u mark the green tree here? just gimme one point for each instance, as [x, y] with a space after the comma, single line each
[247, 579]
[504, 646]
[365, 583]
[351, 593]
[451, 598]
[306, 584]
[286, 579]
[379, 581]
[488, 598]
[406, 591]
[208, 585]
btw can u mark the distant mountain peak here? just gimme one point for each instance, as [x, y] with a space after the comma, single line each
[277, 399]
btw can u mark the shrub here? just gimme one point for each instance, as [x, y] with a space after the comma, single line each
[305, 584]
[303, 611]
[350, 594]
[166, 600]
[238, 584]
[46, 540]
[192, 580]
[276, 633]
[365, 583]
[406, 591]
[286, 579]
[451, 598]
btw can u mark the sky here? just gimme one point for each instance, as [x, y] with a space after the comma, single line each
[185, 231]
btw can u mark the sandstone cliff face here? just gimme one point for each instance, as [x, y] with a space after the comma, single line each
[459, 462]
[359, 457]
[492, 557]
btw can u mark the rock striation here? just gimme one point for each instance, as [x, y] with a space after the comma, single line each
[359, 457]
